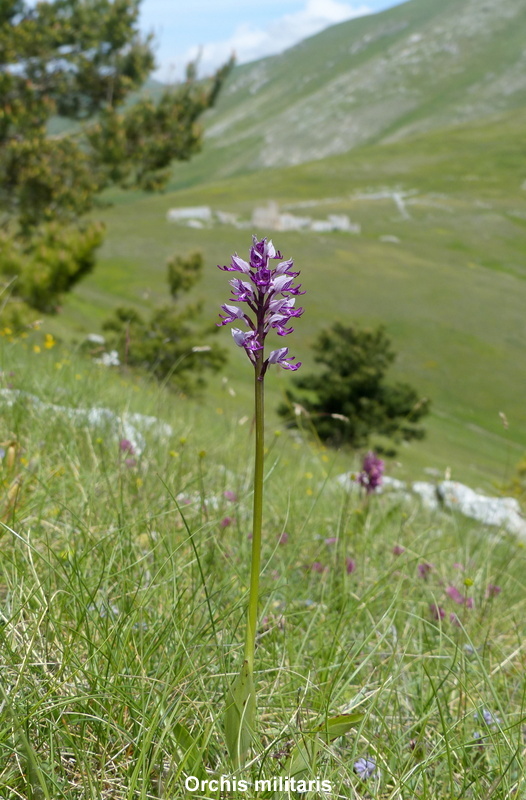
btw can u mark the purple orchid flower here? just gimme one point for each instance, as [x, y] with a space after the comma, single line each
[372, 472]
[270, 296]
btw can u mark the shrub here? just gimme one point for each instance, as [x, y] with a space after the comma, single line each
[170, 344]
[350, 400]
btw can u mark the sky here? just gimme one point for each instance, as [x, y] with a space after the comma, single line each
[250, 28]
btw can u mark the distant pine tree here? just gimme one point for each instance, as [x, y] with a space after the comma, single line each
[349, 399]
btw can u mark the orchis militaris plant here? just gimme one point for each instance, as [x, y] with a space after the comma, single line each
[268, 295]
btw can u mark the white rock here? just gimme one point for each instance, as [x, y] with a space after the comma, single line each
[123, 426]
[502, 512]
[393, 484]
[428, 494]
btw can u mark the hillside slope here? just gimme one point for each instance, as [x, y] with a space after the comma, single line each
[440, 260]
[419, 66]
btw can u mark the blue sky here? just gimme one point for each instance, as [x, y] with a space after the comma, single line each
[252, 28]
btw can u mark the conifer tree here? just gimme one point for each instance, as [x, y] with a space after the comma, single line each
[349, 399]
[78, 60]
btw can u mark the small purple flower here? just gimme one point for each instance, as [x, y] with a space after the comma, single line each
[457, 597]
[490, 719]
[130, 462]
[283, 539]
[317, 566]
[454, 619]
[365, 768]
[424, 569]
[226, 522]
[350, 565]
[372, 471]
[126, 447]
[436, 611]
[232, 496]
[270, 297]
[492, 591]
[454, 594]
[331, 540]
[398, 550]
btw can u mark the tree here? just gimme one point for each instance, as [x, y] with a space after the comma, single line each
[350, 400]
[79, 59]
[170, 344]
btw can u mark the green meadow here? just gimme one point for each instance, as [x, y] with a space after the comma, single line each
[449, 288]
[123, 586]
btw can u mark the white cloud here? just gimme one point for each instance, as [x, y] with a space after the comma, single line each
[250, 42]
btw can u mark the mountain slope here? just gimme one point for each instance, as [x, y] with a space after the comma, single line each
[416, 67]
[440, 261]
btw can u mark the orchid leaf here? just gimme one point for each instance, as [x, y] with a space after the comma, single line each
[240, 716]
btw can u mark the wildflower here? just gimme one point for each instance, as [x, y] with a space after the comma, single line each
[491, 720]
[398, 550]
[424, 569]
[372, 471]
[226, 522]
[284, 537]
[492, 591]
[317, 567]
[436, 611]
[130, 462]
[453, 593]
[331, 540]
[459, 598]
[232, 496]
[350, 565]
[269, 294]
[263, 300]
[454, 619]
[365, 768]
[126, 446]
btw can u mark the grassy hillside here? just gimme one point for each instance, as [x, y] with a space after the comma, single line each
[123, 589]
[420, 66]
[450, 287]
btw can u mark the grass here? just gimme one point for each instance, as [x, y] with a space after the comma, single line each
[123, 588]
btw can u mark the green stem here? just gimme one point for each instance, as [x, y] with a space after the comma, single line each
[250, 641]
